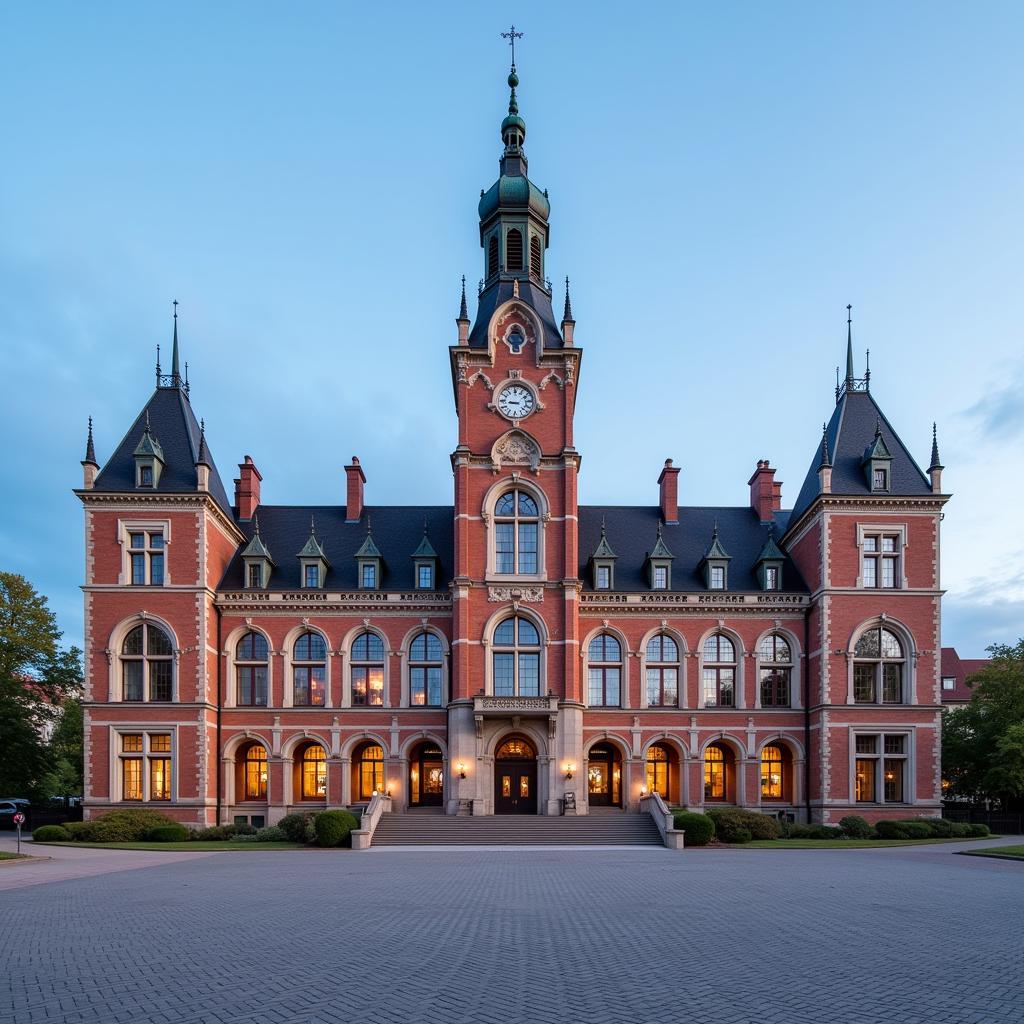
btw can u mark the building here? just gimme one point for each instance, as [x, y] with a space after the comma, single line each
[956, 690]
[514, 652]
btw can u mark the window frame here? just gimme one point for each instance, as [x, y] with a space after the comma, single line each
[714, 669]
[145, 659]
[518, 650]
[786, 668]
[877, 533]
[241, 664]
[881, 758]
[879, 664]
[150, 527]
[364, 665]
[606, 668]
[493, 520]
[658, 666]
[295, 663]
[425, 665]
[145, 757]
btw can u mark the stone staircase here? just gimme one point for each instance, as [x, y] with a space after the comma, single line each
[516, 830]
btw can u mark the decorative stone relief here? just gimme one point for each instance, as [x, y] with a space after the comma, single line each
[515, 448]
[530, 595]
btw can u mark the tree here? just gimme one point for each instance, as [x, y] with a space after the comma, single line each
[36, 678]
[983, 742]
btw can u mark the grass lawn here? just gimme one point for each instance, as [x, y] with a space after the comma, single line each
[844, 844]
[189, 847]
[4, 855]
[1009, 852]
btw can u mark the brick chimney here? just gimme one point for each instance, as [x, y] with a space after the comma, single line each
[356, 479]
[668, 486]
[247, 488]
[765, 493]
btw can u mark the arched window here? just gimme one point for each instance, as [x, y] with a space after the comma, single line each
[775, 774]
[426, 671]
[368, 671]
[604, 672]
[718, 773]
[313, 773]
[662, 671]
[309, 667]
[719, 672]
[516, 658]
[536, 260]
[370, 771]
[878, 668]
[516, 526]
[147, 664]
[776, 658]
[492, 256]
[254, 781]
[514, 250]
[515, 749]
[657, 770]
[251, 671]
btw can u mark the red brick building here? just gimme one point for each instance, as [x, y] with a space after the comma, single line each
[514, 650]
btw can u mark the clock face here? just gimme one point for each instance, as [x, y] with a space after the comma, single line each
[516, 401]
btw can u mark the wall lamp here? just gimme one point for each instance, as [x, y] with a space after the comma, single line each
[462, 769]
[569, 769]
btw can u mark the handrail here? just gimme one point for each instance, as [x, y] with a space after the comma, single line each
[363, 836]
[671, 836]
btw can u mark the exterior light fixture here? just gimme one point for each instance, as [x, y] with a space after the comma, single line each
[462, 769]
[643, 792]
[569, 769]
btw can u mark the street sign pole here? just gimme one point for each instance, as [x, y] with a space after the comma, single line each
[19, 820]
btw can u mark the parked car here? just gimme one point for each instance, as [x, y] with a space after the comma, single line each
[9, 806]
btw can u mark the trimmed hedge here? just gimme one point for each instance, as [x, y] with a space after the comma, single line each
[856, 827]
[167, 834]
[699, 828]
[214, 833]
[731, 824]
[891, 830]
[814, 832]
[918, 830]
[271, 834]
[977, 830]
[126, 826]
[51, 834]
[334, 827]
[298, 828]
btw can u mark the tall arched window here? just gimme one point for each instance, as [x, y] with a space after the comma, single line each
[251, 671]
[514, 250]
[492, 256]
[657, 770]
[255, 772]
[719, 672]
[604, 671]
[516, 658]
[370, 771]
[147, 664]
[878, 668]
[662, 671]
[516, 527]
[718, 773]
[776, 658]
[313, 773]
[368, 671]
[309, 667]
[775, 773]
[426, 671]
[536, 259]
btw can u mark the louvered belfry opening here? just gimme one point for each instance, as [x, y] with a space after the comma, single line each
[535, 258]
[514, 250]
[492, 256]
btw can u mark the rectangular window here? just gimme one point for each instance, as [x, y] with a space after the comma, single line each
[131, 778]
[252, 685]
[771, 578]
[425, 577]
[662, 687]
[868, 573]
[310, 690]
[717, 577]
[311, 576]
[718, 687]
[529, 675]
[146, 559]
[504, 547]
[131, 743]
[425, 687]
[880, 561]
[775, 687]
[864, 684]
[160, 778]
[145, 476]
[160, 743]
[368, 576]
[255, 574]
[132, 680]
[367, 686]
[138, 570]
[892, 683]
[604, 577]
[867, 744]
[865, 780]
[156, 570]
[889, 771]
[527, 547]
[893, 779]
[880, 477]
[660, 577]
[949, 682]
[504, 675]
[895, 744]
[159, 680]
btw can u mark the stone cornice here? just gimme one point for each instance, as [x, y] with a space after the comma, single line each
[183, 502]
[916, 503]
[334, 603]
[697, 603]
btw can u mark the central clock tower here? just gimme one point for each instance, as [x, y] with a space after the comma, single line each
[514, 373]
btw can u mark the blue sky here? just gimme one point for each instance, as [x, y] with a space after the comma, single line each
[724, 178]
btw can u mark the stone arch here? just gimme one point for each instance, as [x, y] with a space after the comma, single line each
[115, 643]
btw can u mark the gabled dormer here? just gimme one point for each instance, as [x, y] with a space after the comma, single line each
[313, 562]
[424, 564]
[602, 564]
[659, 565]
[768, 567]
[149, 459]
[715, 564]
[877, 463]
[257, 561]
[369, 562]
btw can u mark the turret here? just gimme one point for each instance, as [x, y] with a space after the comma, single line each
[90, 467]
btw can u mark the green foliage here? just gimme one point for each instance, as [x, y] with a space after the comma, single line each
[334, 827]
[976, 830]
[941, 828]
[248, 837]
[856, 827]
[213, 833]
[815, 832]
[67, 751]
[51, 834]
[167, 834]
[271, 834]
[127, 826]
[918, 830]
[699, 828]
[731, 820]
[298, 827]
[891, 830]
[741, 835]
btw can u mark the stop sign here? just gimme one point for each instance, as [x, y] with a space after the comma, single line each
[19, 818]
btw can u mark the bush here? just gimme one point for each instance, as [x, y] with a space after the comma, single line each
[334, 827]
[856, 827]
[167, 834]
[127, 826]
[730, 820]
[699, 828]
[51, 834]
[977, 830]
[271, 834]
[248, 837]
[214, 833]
[891, 830]
[298, 828]
[941, 828]
[918, 829]
[815, 832]
[741, 835]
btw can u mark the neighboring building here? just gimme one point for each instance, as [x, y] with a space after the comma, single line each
[955, 673]
[515, 648]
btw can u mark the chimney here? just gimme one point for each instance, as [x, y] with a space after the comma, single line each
[247, 488]
[668, 485]
[765, 493]
[354, 491]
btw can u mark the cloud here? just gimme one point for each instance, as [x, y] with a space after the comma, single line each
[1001, 413]
[970, 625]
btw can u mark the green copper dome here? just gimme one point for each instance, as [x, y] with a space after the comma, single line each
[516, 192]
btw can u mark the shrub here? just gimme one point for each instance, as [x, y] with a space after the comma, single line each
[741, 835]
[214, 833]
[127, 826]
[917, 829]
[729, 820]
[334, 827]
[249, 837]
[977, 830]
[167, 834]
[271, 834]
[51, 834]
[856, 827]
[815, 832]
[891, 830]
[298, 828]
[941, 828]
[699, 828]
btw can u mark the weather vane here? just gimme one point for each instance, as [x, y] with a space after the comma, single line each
[512, 35]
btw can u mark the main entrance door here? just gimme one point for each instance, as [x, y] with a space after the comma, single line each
[604, 777]
[426, 777]
[515, 778]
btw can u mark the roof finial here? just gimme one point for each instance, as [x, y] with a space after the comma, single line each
[256, 523]
[849, 347]
[175, 373]
[312, 525]
[867, 370]
[826, 460]
[203, 456]
[567, 315]
[935, 464]
[463, 308]
[158, 364]
[512, 35]
[90, 449]
[513, 128]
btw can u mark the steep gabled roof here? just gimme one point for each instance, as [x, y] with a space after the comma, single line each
[531, 295]
[426, 549]
[660, 548]
[716, 550]
[256, 548]
[770, 552]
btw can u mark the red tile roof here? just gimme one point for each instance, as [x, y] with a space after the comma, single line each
[959, 669]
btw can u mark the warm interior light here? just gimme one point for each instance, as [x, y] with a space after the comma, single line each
[462, 769]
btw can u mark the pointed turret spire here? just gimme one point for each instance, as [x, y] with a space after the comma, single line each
[90, 448]
[935, 463]
[826, 460]
[463, 308]
[567, 315]
[513, 128]
[849, 346]
[175, 370]
[203, 458]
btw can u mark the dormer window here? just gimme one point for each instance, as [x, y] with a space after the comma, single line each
[659, 565]
[877, 462]
[717, 578]
[602, 563]
[660, 578]
[254, 579]
[311, 576]
[256, 559]
[145, 476]
[771, 577]
[368, 575]
[424, 576]
[881, 480]
[313, 562]
[716, 564]
[768, 567]
[149, 458]
[604, 577]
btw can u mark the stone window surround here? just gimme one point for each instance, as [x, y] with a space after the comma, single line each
[795, 665]
[126, 527]
[906, 639]
[512, 482]
[115, 732]
[488, 645]
[898, 530]
[681, 675]
[909, 763]
[739, 680]
[113, 652]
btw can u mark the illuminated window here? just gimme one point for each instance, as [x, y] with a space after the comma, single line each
[516, 526]
[426, 671]
[251, 671]
[515, 749]
[718, 771]
[516, 658]
[367, 671]
[662, 672]
[145, 766]
[255, 766]
[719, 674]
[878, 666]
[146, 558]
[657, 770]
[880, 768]
[776, 670]
[773, 773]
[309, 671]
[147, 665]
[370, 771]
[604, 671]
[314, 773]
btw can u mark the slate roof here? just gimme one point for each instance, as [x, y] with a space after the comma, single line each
[632, 531]
[397, 532]
[959, 668]
[531, 295]
[850, 433]
[174, 426]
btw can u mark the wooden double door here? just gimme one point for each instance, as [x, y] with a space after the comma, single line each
[515, 787]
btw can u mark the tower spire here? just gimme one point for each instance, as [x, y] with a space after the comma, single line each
[849, 348]
[90, 448]
[567, 315]
[513, 128]
[175, 368]
[463, 308]
[935, 463]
